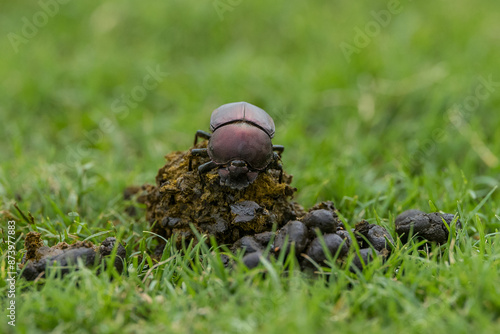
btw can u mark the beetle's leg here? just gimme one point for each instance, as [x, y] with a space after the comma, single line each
[206, 167]
[279, 149]
[202, 134]
[198, 152]
[280, 168]
[277, 165]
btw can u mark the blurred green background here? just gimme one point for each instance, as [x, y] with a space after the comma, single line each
[382, 106]
[370, 131]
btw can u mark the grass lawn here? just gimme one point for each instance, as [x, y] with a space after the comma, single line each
[382, 106]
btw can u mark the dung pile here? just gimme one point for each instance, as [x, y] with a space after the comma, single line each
[309, 248]
[371, 239]
[40, 258]
[244, 219]
[180, 199]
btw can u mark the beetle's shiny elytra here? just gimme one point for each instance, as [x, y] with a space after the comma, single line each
[240, 144]
[242, 112]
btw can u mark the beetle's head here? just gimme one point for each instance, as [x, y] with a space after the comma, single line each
[237, 175]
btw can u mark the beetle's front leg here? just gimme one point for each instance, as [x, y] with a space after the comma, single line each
[275, 164]
[201, 134]
[280, 168]
[206, 167]
[196, 152]
[279, 149]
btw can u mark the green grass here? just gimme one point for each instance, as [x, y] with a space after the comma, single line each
[373, 134]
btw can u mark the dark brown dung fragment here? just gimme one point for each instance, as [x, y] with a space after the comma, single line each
[294, 233]
[40, 258]
[323, 220]
[362, 259]
[373, 235]
[428, 226]
[316, 251]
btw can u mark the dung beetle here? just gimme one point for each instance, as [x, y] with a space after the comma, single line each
[239, 145]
